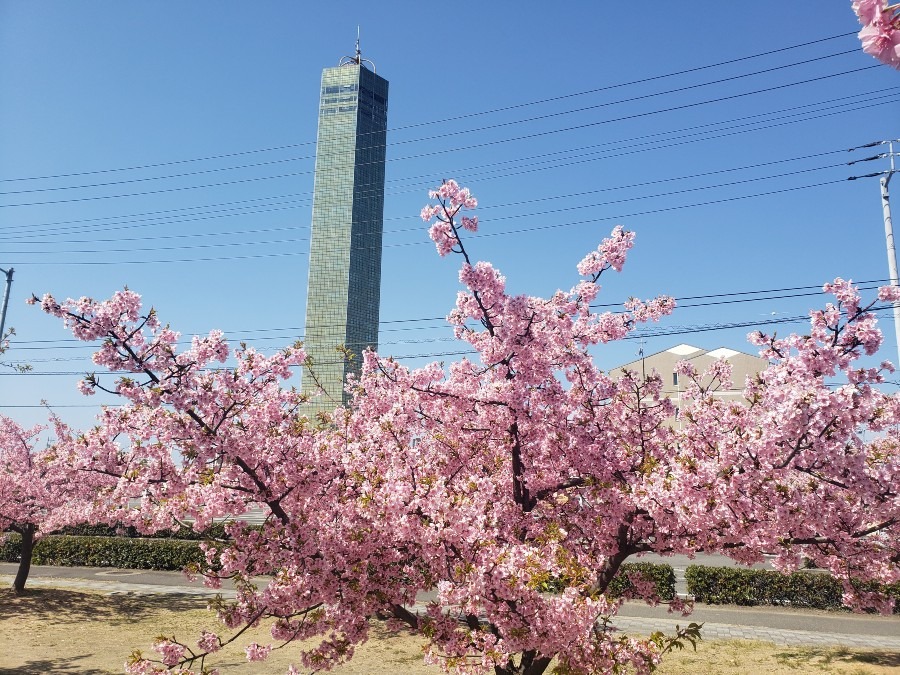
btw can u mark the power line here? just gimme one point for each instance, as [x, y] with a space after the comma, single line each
[634, 335]
[734, 130]
[634, 99]
[13, 237]
[634, 116]
[528, 160]
[484, 144]
[732, 301]
[151, 213]
[128, 181]
[672, 193]
[762, 295]
[653, 211]
[480, 235]
[188, 235]
[701, 134]
[720, 326]
[630, 83]
[448, 119]
[642, 197]
[449, 134]
[156, 249]
[146, 193]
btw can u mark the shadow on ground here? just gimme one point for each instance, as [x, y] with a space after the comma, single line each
[62, 666]
[65, 606]
[826, 656]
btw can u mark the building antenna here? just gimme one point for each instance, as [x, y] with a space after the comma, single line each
[356, 60]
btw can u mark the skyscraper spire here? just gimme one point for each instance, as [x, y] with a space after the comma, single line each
[356, 60]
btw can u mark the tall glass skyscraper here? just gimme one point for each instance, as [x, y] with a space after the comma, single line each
[344, 288]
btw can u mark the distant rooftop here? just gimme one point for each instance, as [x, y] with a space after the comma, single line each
[683, 350]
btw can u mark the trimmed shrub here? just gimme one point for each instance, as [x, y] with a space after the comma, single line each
[662, 576]
[214, 531]
[10, 547]
[748, 587]
[122, 552]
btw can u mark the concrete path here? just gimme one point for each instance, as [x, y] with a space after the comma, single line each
[778, 625]
[781, 626]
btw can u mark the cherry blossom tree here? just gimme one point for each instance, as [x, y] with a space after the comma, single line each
[790, 472]
[485, 480]
[33, 486]
[195, 442]
[880, 34]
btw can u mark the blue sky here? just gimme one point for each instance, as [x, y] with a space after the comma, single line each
[562, 122]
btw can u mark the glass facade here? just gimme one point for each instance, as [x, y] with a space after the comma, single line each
[344, 290]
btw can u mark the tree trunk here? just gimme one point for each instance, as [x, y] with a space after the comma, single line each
[538, 666]
[27, 532]
[529, 664]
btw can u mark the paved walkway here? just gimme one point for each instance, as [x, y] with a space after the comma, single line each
[780, 636]
[115, 584]
[777, 625]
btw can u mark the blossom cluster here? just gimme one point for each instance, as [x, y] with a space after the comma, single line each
[487, 481]
[610, 253]
[880, 34]
[451, 199]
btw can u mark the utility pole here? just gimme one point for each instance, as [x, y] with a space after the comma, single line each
[884, 180]
[9, 276]
[889, 237]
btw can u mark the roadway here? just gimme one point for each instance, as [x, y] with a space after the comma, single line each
[778, 625]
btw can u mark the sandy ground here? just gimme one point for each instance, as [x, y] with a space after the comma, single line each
[74, 632]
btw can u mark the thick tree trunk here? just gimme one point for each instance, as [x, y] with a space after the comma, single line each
[537, 666]
[27, 532]
[529, 664]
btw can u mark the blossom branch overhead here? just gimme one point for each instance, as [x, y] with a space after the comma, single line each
[880, 33]
[486, 481]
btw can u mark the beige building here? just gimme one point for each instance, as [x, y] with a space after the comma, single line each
[663, 363]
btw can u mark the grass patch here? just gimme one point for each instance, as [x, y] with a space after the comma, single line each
[738, 657]
[71, 632]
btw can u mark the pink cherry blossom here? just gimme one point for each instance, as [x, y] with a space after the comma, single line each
[171, 651]
[868, 11]
[889, 293]
[481, 481]
[880, 34]
[882, 40]
[208, 642]
[610, 254]
[256, 652]
[39, 490]
[451, 200]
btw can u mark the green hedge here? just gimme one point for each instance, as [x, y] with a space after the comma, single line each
[662, 576]
[740, 586]
[122, 552]
[214, 531]
[10, 547]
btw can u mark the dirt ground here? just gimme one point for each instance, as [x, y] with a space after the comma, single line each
[74, 632]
